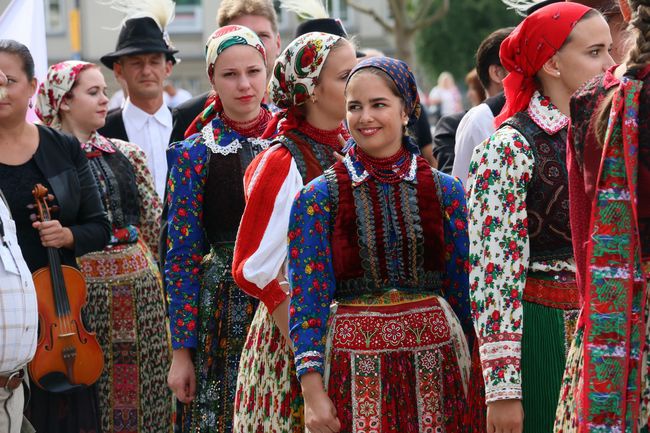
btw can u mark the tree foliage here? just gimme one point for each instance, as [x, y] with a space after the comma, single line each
[450, 44]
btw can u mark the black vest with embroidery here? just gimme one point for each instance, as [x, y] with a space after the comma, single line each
[311, 157]
[223, 201]
[386, 236]
[547, 199]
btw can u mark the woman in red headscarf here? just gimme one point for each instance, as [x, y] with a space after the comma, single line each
[522, 283]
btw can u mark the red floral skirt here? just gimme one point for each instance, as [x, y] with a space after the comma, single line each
[398, 368]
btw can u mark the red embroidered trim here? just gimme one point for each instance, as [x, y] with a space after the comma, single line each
[554, 294]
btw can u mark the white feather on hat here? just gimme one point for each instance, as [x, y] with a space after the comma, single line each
[306, 9]
[161, 11]
[521, 6]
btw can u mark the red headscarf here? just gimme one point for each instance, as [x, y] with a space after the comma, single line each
[535, 40]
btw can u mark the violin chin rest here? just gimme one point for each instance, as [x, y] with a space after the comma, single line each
[57, 382]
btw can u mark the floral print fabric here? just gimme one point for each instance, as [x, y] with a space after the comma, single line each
[297, 69]
[500, 173]
[311, 272]
[59, 81]
[186, 241]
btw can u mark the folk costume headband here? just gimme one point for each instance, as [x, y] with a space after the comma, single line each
[533, 42]
[401, 74]
[219, 41]
[61, 77]
[226, 37]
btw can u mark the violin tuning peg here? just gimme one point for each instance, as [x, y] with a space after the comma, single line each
[50, 197]
[33, 217]
[54, 208]
[31, 206]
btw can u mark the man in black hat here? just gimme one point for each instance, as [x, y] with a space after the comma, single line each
[143, 59]
[257, 15]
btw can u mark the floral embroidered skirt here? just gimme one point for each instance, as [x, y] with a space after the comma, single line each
[268, 396]
[225, 315]
[127, 311]
[397, 368]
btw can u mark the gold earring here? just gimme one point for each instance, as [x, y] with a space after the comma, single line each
[313, 99]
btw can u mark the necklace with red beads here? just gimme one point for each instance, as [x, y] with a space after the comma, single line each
[386, 170]
[249, 128]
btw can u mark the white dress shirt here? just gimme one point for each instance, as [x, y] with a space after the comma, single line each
[151, 133]
[474, 128]
[18, 308]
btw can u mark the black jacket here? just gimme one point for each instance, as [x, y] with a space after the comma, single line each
[64, 165]
[184, 114]
[114, 126]
[444, 141]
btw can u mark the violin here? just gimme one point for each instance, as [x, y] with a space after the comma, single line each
[67, 355]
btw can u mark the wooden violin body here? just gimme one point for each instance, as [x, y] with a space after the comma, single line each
[67, 355]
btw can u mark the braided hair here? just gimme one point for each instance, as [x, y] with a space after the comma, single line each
[638, 58]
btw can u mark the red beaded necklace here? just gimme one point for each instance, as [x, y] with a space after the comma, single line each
[250, 128]
[386, 170]
[327, 137]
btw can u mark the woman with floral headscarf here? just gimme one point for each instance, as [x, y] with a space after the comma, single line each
[209, 314]
[524, 295]
[377, 268]
[125, 300]
[308, 84]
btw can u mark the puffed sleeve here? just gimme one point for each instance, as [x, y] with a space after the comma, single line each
[500, 173]
[92, 230]
[272, 182]
[186, 246]
[311, 275]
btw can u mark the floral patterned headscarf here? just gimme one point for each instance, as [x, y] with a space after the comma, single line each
[227, 36]
[60, 79]
[296, 71]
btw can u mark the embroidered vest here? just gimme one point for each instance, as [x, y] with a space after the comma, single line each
[547, 201]
[311, 157]
[223, 201]
[386, 236]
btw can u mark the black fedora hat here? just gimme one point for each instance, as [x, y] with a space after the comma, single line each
[324, 25]
[140, 36]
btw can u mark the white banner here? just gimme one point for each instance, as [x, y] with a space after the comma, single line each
[24, 21]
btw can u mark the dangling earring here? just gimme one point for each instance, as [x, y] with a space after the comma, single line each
[31, 104]
[313, 99]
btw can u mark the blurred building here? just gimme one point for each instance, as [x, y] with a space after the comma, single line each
[195, 21]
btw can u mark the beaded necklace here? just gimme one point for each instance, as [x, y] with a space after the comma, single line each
[386, 170]
[249, 128]
[329, 138]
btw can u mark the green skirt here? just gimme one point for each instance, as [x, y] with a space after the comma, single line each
[546, 339]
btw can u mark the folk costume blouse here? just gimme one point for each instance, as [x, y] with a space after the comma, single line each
[272, 182]
[187, 233]
[408, 236]
[501, 172]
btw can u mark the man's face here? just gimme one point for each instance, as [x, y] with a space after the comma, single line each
[144, 74]
[264, 30]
